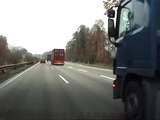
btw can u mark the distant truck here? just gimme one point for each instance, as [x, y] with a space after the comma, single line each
[136, 34]
[57, 57]
[48, 57]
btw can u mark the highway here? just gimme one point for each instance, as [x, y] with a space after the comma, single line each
[72, 91]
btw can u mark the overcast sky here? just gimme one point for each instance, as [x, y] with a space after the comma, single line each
[42, 25]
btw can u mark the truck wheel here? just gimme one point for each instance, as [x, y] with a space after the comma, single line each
[133, 102]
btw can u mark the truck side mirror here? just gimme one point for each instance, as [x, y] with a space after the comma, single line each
[111, 13]
[111, 30]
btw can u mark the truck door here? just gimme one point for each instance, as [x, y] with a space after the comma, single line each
[133, 37]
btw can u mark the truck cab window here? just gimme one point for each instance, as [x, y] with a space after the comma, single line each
[126, 19]
[140, 17]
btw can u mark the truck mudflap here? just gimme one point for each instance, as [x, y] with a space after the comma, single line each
[117, 88]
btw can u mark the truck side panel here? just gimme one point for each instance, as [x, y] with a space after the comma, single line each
[158, 33]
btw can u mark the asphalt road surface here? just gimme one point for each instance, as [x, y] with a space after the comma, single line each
[72, 91]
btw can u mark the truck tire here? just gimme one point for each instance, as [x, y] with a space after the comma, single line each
[134, 102]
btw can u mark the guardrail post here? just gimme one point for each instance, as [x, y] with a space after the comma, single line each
[2, 71]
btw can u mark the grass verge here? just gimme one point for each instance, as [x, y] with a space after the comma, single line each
[10, 73]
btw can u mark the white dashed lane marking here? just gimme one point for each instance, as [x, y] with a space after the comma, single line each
[63, 79]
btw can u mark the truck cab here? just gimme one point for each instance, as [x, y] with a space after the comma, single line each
[135, 27]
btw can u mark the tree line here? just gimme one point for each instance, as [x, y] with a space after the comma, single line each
[13, 55]
[90, 45]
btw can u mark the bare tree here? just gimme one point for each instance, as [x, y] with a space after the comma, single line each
[88, 45]
[108, 4]
[97, 40]
[4, 50]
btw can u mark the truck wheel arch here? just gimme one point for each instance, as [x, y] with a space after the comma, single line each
[130, 78]
[134, 105]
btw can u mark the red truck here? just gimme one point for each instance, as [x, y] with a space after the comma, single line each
[57, 57]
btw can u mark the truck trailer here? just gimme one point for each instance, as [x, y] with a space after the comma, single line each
[57, 57]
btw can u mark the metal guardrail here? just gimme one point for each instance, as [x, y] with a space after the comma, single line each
[3, 68]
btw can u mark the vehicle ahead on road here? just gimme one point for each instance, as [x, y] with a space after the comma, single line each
[48, 57]
[42, 61]
[57, 57]
[137, 62]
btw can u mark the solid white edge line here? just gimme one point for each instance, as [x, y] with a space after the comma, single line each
[82, 70]
[107, 77]
[96, 68]
[14, 78]
[63, 79]
[109, 70]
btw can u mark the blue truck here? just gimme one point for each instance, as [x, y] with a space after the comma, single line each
[134, 29]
